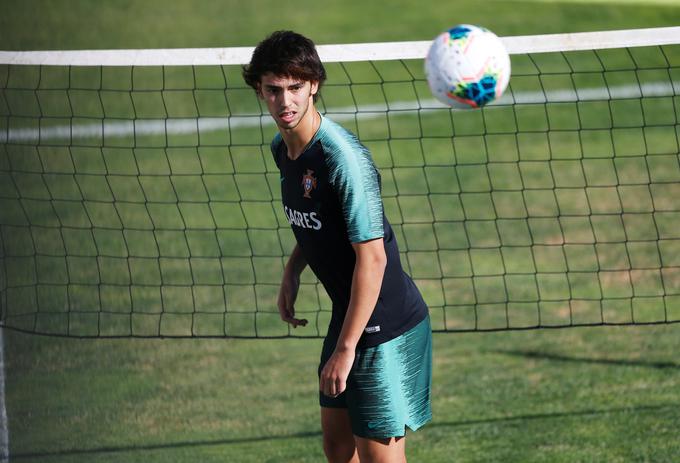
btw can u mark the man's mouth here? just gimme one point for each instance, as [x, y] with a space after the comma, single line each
[287, 116]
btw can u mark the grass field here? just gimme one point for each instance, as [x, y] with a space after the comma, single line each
[590, 394]
[605, 395]
[83, 24]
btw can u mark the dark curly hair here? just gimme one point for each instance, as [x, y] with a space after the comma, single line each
[285, 53]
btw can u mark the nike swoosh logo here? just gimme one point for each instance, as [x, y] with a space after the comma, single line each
[373, 424]
[282, 179]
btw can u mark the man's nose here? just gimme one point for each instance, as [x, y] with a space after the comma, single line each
[286, 97]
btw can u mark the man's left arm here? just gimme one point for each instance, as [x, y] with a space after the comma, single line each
[367, 278]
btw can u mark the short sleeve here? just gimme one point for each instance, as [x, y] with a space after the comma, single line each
[357, 184]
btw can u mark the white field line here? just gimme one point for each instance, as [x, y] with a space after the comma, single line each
[4, 424]
[177, 126]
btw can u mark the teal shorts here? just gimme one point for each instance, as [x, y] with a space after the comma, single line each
[389, 385]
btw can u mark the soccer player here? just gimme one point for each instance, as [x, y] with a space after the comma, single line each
[375, 368]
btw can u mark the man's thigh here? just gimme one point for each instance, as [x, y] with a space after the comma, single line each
[389, 450]
[338, 440]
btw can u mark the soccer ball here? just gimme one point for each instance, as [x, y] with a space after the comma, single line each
[467, 67]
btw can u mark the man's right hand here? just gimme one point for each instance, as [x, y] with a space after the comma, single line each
[286, 302]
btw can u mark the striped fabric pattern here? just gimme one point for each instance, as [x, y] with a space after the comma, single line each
[389, 387]
[356, 180]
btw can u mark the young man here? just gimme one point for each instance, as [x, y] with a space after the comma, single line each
[375, 369]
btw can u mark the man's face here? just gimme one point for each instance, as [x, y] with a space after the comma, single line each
[288, 98]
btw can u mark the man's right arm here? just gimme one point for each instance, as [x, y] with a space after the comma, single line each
[290, 283]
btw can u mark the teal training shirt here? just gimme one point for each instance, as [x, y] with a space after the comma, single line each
[331, 198]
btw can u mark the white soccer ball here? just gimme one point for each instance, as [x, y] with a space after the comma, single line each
[467, 67]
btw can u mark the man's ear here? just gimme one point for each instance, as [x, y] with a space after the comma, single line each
[315, 87]
[258, 90]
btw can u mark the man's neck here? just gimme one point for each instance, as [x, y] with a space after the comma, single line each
[297, 139]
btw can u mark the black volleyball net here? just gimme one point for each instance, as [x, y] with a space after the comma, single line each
[138, 196]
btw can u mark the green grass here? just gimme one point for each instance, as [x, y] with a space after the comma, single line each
[83, 24]
[605, 394]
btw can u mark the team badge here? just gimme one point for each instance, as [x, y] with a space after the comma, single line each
[308, 183]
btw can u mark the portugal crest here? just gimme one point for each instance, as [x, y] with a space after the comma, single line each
[308, 183]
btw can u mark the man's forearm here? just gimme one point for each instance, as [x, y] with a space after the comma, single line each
[366, 283]
[296, 262]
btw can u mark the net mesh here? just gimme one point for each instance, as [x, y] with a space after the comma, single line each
[144, 201]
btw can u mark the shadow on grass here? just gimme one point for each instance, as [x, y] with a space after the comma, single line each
[164, 446]
[563, 358]
[543, 416]
[317, 434]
